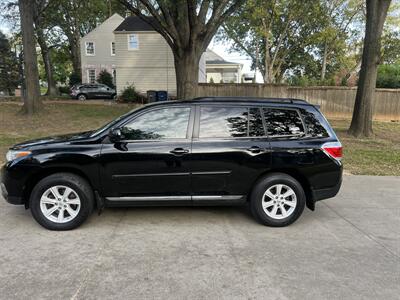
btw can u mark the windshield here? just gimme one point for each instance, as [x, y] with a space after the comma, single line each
[111, 124]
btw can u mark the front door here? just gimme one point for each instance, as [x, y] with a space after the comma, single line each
[229, 152]
[151, 161]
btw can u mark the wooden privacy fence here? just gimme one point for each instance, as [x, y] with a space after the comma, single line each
[334, 101]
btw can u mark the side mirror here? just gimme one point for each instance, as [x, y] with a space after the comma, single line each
[115, 135]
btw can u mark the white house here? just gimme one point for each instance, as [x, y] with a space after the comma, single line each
[221, 71]
[133, 52]
[98, 49]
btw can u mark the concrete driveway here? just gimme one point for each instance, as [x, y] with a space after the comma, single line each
[349, 248]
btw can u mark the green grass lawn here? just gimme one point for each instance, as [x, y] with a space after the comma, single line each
[379, 155]
[375, 156]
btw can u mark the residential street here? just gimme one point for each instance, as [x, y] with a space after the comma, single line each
[349, 248]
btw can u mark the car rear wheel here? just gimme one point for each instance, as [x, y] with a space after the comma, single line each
[61, 201]
[82, 97]
[277, 200]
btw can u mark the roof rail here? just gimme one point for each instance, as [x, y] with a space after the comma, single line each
[242, 98]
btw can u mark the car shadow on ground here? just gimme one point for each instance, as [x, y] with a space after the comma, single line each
[147, 215]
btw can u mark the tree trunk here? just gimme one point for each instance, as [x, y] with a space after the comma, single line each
[48, 66]
[267, 63]
[187, 73]
[32, 102]
[256, 63]
[324, 62]
[361, 123]
[76, 54]
[75, 51]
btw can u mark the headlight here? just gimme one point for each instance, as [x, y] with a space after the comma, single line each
[14, 154]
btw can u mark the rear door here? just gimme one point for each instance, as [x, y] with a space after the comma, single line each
[287, 133]
[229, 151]
[103, 92]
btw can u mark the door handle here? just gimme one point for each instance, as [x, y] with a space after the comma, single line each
[255, 149]
[179, 151]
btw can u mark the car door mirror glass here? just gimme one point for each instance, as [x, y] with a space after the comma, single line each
[115, 135]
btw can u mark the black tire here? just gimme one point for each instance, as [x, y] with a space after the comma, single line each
[79, 185]
[81, 97]
[256, 199]
[113, 97]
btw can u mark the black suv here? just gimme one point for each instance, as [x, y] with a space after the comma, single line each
[277, 154]
[92, 91]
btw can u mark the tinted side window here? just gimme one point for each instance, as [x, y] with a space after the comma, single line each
[216, 121]
[256, 127]
[313, 125]
[166, 123]
[283, 122]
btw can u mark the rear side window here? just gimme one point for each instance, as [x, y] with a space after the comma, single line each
[220, 122]
[256, 127]
[283, 122]
[313, 124]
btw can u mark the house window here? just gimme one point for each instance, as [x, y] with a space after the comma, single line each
[91, 76]
[133, 42]
[112, 48]
[90, 48]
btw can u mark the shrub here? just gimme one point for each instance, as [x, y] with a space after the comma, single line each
[211, 80]
[106, 78]
[388, 76]
[63, 90]
[129, 94]
[74, 78]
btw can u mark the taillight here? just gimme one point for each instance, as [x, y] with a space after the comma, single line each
[334, 150]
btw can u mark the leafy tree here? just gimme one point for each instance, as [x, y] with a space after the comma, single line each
[273, 33]
[292, 38]
[9, 66]
[76, 18]
[44, 21]
[188, 27]
[61, 63]
[106, 78]
[391, 47]
[361, 123]
[32, 102]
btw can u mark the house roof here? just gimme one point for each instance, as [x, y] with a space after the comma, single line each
[134, 23]
[115, 18]
[213, 58]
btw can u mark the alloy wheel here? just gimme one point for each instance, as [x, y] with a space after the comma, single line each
[279, 201]
[60, 204]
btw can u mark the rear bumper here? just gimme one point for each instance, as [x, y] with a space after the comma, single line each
[326, 193]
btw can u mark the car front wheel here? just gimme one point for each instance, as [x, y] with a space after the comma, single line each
[61, 201]
[277, 200]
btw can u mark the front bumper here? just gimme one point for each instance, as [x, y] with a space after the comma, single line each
[10, 199]
[11, 189]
